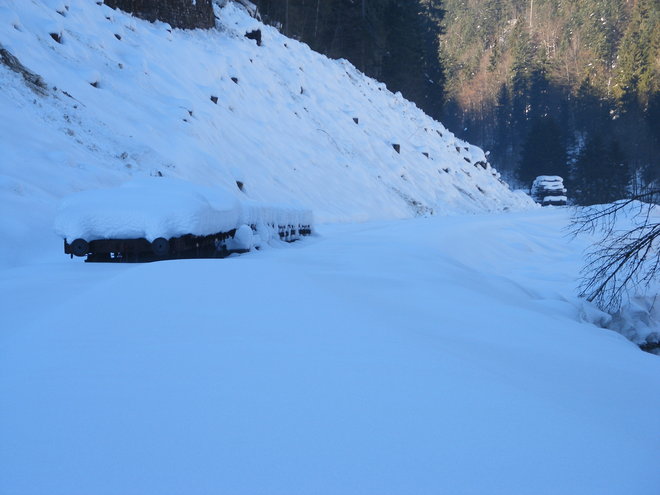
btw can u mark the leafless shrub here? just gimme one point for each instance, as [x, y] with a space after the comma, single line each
[624, 260]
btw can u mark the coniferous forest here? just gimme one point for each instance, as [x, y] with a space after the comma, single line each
[547, 86]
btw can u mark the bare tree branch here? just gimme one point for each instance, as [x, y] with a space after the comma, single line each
[625, 259]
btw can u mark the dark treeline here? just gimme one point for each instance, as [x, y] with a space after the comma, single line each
[549, 87]
[553, 87]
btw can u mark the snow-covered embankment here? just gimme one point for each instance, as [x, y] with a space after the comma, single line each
[126, 98]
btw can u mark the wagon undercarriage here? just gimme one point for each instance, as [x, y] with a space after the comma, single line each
[217, 245]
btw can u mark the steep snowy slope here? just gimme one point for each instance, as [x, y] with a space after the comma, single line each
[123, 97]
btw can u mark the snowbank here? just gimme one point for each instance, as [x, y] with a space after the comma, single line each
[638, 318]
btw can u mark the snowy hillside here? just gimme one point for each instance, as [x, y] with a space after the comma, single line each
[123, 98]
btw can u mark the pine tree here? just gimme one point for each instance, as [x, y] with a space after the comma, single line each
[522, 70]
[411, 63]
[638, 71]
[503, 142]
[543, 152]
[600, 173]
[432, 14]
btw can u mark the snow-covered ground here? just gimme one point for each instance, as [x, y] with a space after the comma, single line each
[428, 355]
[433, 355]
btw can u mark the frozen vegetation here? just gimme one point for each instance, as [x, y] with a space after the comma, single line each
[445, 353]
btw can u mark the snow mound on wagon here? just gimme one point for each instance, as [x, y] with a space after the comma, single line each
[164, 207]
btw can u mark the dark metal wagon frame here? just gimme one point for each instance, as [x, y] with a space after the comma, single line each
[181, 247]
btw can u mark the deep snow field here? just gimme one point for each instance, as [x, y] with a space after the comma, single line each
[385, 354]
[433, 355]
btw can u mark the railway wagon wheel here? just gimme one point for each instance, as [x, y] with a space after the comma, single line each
[79, 247]
[160, 246]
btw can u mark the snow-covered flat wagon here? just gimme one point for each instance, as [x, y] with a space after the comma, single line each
[157, 219]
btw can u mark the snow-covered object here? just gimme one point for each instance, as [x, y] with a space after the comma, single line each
[243, 240]
[127, 98]
[639, 320]
[554, 199]
[162, 207]
[549, 190]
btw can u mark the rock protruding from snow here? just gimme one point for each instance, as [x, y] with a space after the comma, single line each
[549, 190]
